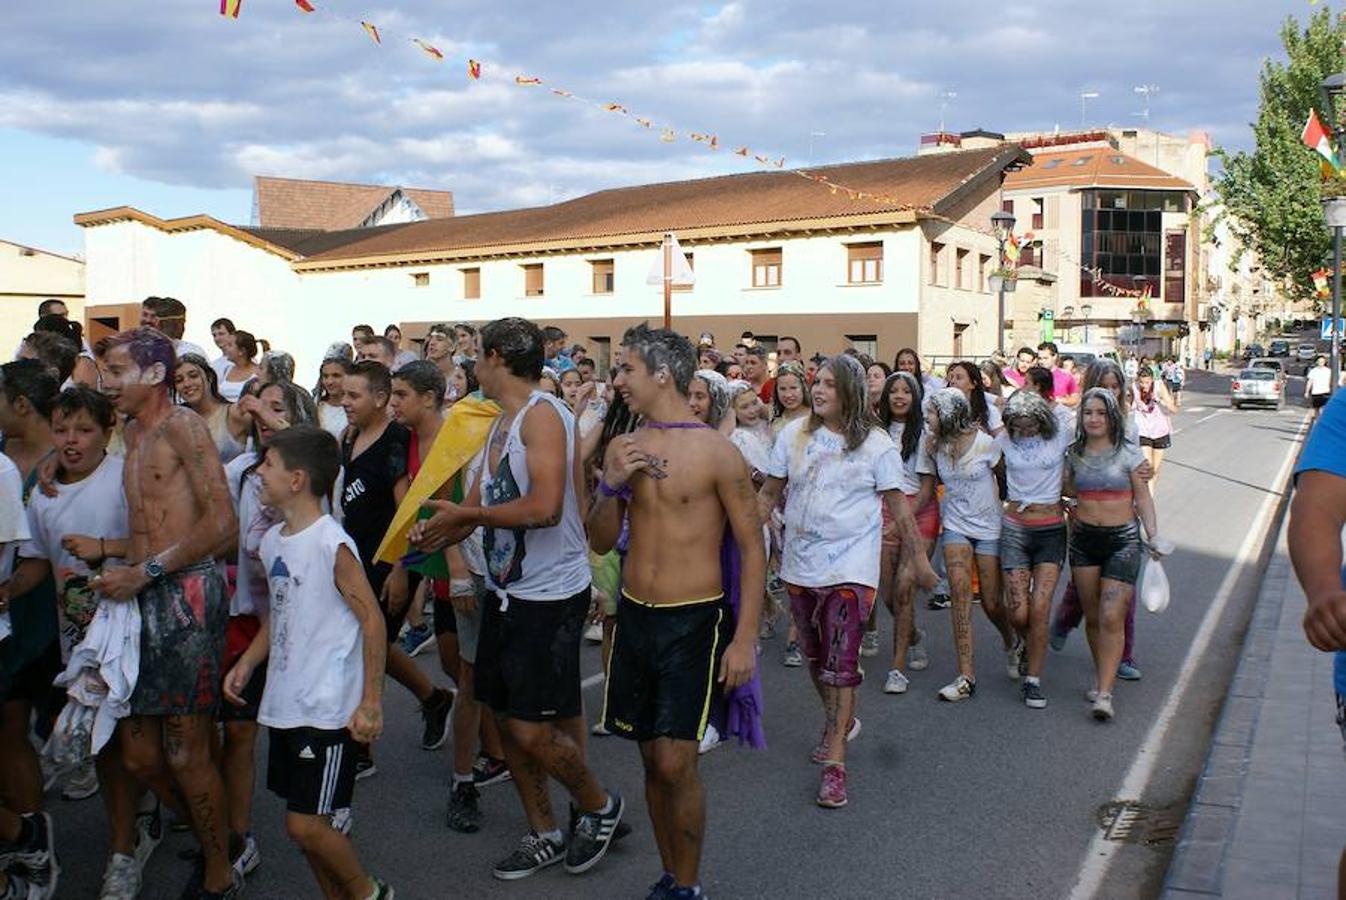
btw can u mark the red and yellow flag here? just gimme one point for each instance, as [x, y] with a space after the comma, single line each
[231, 8]
[473, 69]
[526, 80]
[304, 5]
[430, 50]
[372, 31]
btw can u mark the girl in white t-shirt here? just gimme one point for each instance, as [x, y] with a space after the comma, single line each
[984, 406]
[966, 460]
[840, 469]
[331, 376]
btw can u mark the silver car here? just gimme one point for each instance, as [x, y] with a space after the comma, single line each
[1306, 352]
[1261, 385]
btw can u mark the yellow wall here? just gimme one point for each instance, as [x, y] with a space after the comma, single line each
[27, 277]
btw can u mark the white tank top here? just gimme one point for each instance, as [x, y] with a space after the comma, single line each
[534, 563]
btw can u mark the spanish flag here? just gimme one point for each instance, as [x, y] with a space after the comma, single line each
[526, 80]
[432, 51]
[473, 69]
[231, 8]
[1315, 136]
[304, 5]
[463, 434]
[372, 31]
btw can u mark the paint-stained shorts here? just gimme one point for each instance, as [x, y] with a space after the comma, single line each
[831, 622]
[184, 617]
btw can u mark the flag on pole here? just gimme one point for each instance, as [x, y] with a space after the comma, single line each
[1317, 139]
[432, 51]
[372, 31]
[682, 274]
[231, 8]
[304, 5]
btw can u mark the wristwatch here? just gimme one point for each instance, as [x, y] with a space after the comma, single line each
[153, 569]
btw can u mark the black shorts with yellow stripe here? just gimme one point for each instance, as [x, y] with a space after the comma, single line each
[662, 674]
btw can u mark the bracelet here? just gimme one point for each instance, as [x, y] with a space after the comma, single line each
[610, 493]
[461, 587]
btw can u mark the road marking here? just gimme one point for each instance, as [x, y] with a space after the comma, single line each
[1218, 412]
[1099, 856]
[591, 681]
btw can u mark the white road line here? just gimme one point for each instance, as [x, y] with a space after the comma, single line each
[1218, 412]
[591, 681]
[1099, 856]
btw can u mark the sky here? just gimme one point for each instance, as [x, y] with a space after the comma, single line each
[171, 108]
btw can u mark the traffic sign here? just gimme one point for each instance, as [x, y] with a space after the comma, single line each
[1325, 328]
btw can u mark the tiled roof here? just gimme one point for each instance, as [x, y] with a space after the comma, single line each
[731, 202]
[310, 241]
[332, 206]
[1098, 166]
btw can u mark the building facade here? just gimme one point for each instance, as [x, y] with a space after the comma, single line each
[27, 277]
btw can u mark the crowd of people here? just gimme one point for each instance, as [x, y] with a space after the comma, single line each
[193, 547]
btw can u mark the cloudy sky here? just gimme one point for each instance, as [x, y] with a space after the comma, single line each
[171, 108]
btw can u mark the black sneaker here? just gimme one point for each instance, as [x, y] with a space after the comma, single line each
[938, 601]
[18, 887]
[592, 834]
[1033, 696]
[37, 857]
[464, 813]
[533, 854]
[234, 890]
[435, 712]
[623, 829]
[488, 770]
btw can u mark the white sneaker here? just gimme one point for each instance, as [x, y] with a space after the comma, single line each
[600, 729]
[82, 783]
[249, 859]
[121, 878]
[1103, 708]
[710, 740]
[1013, 657]
[869, 644]
[343, 821]
[917, 658]
[896, 684]
[149, 832]
[594, 633]
[960, 688]
[1091, 695]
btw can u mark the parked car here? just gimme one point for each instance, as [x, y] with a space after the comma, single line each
[1260, 385]
[1254, 350]
[1279, 348]
[1306, 352]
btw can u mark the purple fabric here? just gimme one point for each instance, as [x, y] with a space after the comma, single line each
[664, 426]
[1070, 613]
[738, 712]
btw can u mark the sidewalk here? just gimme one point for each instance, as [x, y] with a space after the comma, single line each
[1268, 819]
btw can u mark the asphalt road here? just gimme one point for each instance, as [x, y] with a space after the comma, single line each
[982, 799]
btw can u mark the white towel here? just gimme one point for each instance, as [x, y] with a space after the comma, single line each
[103, 667]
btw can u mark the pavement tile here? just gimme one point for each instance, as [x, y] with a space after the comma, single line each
[1255, 879]
[1198, 867]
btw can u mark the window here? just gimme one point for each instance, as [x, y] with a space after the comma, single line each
[1007, 206]
[865, 344]
[1037, 213]
[864, 263]
[983, 272]
[1122, 243]
[691, 265]
[936, 251]
[420, 279]
[471, 284]
[532, 280]
[603, 276]
[960, 268]
[766, 268]
[1030, 254]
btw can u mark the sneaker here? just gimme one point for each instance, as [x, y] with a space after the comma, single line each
[464, 811]
[592, 834]
[917, 658]
[1014, 655]
[832, 789]
[1091, 695]
[232, 892]
[938, 601]
[685, 893]
[960, 688]
[121, 878]
[594, 633]
[897, 682]
[819, 754]
[1128, 672]
[37, 858]
[364, 765]
[1103, 708]
[768, 629]
[19, 887]
[710, 740]
[415, 640]
[533, 854]
[382, 890]
[82, 783]
[869, 644]
[1033, 696]
[249, 857]
[659, 890]
[1058, 638]
[599, 729]
[342, 820]
[149, 832]
[435, 713]
[488, 771]
[793, 658]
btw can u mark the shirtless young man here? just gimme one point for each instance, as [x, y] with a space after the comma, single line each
[181, 517]
[681, 482]
[528, 667]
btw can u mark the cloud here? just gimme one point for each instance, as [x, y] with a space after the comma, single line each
[175, 93]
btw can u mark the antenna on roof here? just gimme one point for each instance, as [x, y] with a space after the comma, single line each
[1085, 97]
[1146, 91]
[944, 98]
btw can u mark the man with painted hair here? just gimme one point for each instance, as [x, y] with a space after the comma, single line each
[181, 515]
[686, 622]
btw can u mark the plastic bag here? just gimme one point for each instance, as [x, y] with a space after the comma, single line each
[1154, 587]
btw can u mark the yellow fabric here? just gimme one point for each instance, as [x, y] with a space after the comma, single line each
[464, 433]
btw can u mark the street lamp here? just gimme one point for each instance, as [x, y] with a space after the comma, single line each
[1088, 312]
[1002, 225]
[1333, 88]
[1068, 315]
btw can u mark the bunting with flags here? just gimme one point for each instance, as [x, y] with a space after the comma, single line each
[473, 69]
[372, 31]
[231, 8]
[429, 49]
[305, 6]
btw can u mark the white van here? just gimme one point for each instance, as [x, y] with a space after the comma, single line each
[1084, 354]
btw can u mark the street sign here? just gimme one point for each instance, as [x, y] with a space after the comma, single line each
[1325, 328]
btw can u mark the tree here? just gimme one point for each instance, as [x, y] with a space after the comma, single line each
[1271, 196]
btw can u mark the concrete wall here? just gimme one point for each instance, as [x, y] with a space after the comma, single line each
[27, 277]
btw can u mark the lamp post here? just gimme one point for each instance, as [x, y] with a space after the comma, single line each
[1002, 225]
[1088, 312]
[1332, 88]
[1068, 313]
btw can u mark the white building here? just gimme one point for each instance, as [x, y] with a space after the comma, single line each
[773, 252]
[27, 277]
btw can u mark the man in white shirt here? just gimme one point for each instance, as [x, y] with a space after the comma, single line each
[1318, 385]
[169, 315]
[221, 332]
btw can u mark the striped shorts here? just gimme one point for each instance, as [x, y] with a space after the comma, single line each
[312, 769]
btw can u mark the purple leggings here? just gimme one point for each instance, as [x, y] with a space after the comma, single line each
[1070, 613]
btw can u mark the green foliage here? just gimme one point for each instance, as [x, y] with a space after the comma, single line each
[1271, 196]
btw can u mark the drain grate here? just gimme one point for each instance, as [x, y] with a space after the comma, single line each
[1130, 822]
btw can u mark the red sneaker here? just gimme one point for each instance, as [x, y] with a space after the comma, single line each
[832, 791]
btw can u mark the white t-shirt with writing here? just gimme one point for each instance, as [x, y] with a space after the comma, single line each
[1033, 467]
[833, 527]
[315, 675]
[919, 464]
[971, 504]
[94, 506]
